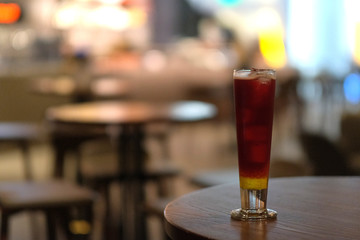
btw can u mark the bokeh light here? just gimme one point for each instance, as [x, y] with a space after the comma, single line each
[229, 3]
[357, 44]
[352, 88]
[271, 34]
[9, 13]
[109, 16]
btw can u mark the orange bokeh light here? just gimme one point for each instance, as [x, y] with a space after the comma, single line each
[9, 13]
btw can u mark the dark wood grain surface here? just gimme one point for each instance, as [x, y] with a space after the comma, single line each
[308, 208]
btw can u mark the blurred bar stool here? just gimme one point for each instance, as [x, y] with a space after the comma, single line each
[51, 197]
[55, 199]
[125, 123]
[160, 177]
[21, 134]
[67, 139]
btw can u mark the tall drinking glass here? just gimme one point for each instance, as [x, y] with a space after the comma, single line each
[254, 92]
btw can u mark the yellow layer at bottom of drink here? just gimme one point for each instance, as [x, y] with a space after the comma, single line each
[253, 183]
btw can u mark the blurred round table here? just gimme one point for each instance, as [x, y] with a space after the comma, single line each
[125, 122]
[308, 208]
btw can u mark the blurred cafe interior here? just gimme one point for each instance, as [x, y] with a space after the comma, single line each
[118, 63]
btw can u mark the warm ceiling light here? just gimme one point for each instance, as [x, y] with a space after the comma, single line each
[356, 52]
[271, 34]
[111, 1]
[67, 16]
[9, 13]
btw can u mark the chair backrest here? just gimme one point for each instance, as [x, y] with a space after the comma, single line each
[326, 157]
[350, 132]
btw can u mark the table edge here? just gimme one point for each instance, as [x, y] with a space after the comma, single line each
[178, 233]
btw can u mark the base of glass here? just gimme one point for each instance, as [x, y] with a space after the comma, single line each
[253, 215]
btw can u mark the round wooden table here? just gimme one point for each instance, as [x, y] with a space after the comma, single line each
[308, 208]
[125, 122]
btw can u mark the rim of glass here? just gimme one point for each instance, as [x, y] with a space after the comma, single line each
[266, 71]
[255, 70]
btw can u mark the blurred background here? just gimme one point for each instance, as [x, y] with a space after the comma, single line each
[62, 38]
[54, 52]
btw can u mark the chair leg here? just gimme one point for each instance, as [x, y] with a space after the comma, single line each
[80, 219]
[59, 157]
[51, 225]
[34, 226]
[26, 158]
[78, 175]
[107, 226]
[65, 217]
[4, 225]
[90, 219]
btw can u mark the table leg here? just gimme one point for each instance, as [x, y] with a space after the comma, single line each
[60, 149]
[122, 141]
[131, 161]
[139, 182]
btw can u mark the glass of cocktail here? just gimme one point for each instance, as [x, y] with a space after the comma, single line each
[254, 92]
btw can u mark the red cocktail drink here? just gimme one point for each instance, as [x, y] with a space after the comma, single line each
[254, 92]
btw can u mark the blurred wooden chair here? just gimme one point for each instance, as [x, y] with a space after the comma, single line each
[350, 133]
[349, 138]
[325, 156]
[56, 199]
[68, 139]
[21, 134]
[74, 139]
[158, 177]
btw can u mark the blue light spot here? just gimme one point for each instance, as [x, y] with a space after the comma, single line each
[352, 88]
[229, 3]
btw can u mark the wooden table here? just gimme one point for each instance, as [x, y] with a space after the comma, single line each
[308, 208]
[125, 123]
